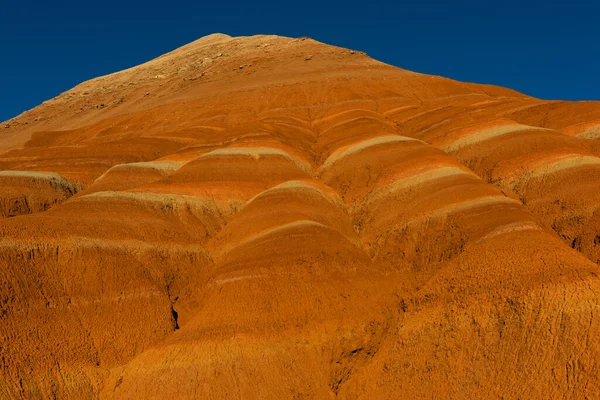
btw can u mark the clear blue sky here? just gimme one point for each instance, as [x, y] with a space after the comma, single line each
[546, 49]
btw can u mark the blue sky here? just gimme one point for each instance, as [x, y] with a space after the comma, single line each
[545, 49]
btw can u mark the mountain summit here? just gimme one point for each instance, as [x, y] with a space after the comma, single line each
[268, 217]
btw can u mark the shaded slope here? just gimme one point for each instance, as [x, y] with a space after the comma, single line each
[25, 192]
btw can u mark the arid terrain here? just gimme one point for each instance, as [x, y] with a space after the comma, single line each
[270, 218]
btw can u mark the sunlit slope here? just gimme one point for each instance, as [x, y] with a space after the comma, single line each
[265, 217]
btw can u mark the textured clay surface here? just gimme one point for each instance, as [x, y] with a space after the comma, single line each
[270, 218]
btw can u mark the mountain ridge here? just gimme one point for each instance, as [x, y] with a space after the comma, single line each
[199, 50]
[268, 217]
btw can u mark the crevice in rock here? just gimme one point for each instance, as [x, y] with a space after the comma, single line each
[175, 317]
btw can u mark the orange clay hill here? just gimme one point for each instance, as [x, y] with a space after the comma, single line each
[271, 218]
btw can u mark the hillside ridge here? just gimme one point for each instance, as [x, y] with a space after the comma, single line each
[270, 217]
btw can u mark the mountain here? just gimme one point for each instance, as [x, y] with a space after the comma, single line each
[267, 217]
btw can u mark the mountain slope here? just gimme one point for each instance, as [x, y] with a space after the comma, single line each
[266, 217]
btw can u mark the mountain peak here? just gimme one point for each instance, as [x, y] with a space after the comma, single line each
[273, 217]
